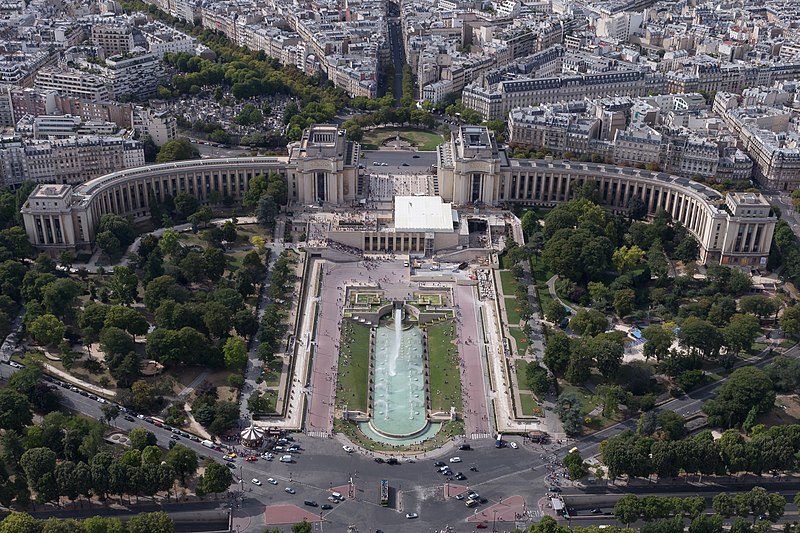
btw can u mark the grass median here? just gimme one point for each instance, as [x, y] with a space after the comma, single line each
[354, 366]
[445, 377]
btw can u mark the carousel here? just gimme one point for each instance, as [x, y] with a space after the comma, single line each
[252, 437]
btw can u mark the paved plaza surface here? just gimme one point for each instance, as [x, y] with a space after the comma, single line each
[476, 413]
[394, 279]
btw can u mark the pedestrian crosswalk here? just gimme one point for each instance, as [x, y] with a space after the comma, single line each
[480, 436]
[317, 433]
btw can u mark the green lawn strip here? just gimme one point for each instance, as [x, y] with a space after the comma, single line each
[272, 373]
[512, 312]
[354, 366]
[521, 368]
[529, 405]
[519, 337]
[509, 282]
[445, 381]
[544, 297]
[423, 140]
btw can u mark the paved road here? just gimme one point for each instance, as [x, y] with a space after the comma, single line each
[322, 464]
[397, 48]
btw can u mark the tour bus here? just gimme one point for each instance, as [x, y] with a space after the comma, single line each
[385, 492]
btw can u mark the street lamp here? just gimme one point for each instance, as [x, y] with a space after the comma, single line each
[494, 521]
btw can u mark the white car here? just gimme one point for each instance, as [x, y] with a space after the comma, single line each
[272, 481]
[290, 490]
[254, 481]
[513, 445]
[455, 459]
[348, 449]
[412, 515]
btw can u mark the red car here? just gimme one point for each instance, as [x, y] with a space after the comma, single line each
[251, 458]
[157, 424]
[482, 525]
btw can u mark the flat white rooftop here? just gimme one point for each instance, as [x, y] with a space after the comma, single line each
[422, 213]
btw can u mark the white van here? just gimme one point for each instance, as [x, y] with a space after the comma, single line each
[286, 459]
[337, 495]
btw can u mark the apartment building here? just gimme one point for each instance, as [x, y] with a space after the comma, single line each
[113, 39]
[159, 125]
[73, 83]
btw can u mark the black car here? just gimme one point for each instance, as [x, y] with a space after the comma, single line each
[554, 489]
[460, 476]
[174, 437]
[596, 511]
[392, 461]
[311, 503]
[129, 418]
[439, 464]
[465, 447]
[231, 465]
[379, 460]
[326, 506]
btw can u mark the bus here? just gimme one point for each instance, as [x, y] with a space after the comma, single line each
[385, 492]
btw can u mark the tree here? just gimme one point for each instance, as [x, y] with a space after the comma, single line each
[19, 523]
[123, 285]
[110, 411]
[235, 353]
[700, 336]
[245, 323]
[157, 522]
[126, 318]
[185, 204]
[741, 332]
[706, 524]
[759, 305]
[589, 322]
[624, 301]
[626, 257]
[627, 509]
[59, 296]
[217, 319]
[790, 321]
[115, 342]
[15, 410]
[183, 460]
[557, 352]
[38, 462]
[579, 368]
[47, 330]
[576, 466]
[647, 424]
[144, 398]
[537, 378]
[748, 388]
[216, 478]
[267, 211]
[176, 150]
[214, 263]
[554, 312]
[568, 408]
[687, 250]
[673, 425]
[108, 243]
[141, 438]
[659, 340]
[304, 526]
[608, 354]
[599, 293]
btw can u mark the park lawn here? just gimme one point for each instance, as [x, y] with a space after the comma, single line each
[272, 372]
[521, 340]
[787, 343]
[544, 297]
[521, 368]
[234, 260]
[757, 348]
[509, 282]
[512, 312]
[354, 366]
[529, 405]
[588, 400]
[246, 231]
[423, 140]
[445, 378]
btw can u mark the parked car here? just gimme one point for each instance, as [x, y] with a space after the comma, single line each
[348, 449]
[290, 490]
[272, 481]
[412, 515]
[455, 459]
[255, 481]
